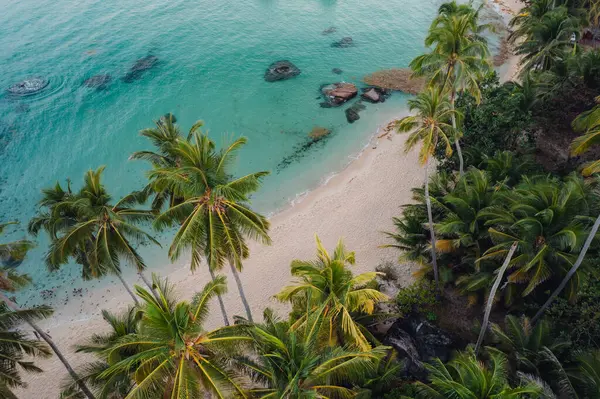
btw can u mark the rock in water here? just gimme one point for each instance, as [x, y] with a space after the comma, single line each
[99, 82]
[137, 70]
[28, 86]
[338, 93]
[337, 71]
[352, 112]
[318, 132]
[371, 95]
[343, 43]
[331, 29]
[281, 70]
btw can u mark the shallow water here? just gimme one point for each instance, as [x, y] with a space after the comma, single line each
[212, 58]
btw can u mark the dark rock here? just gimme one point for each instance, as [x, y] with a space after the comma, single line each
[407, 350]
[337, 71]
[371, 95]
[137, 70]
[345, 42]
[98, 82]
[338, 93]
[331, 29]
[28, 86]
[281, 70]
[351, 115]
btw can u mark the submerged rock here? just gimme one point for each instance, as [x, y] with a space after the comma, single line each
[28, 86]
[22, 108]
[337, 71]
[352, 112]
[331, 29]
[281, 70]
[137, 70]
[343, 42]
[336, 94]
[99, 82]
[318, 132]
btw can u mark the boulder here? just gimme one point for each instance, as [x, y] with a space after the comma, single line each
[28, 86]
[338, 93]
[352, 112]
[139, 67]
[371, 95]
[281, 70]
[331, 29]
[344, 42]
[337, 71]
[407, 350]
[98, 82]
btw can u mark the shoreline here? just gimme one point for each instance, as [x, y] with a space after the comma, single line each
[356, 203]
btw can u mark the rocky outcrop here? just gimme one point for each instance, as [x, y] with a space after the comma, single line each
[344, 42]
[352, 112]
[98, 82]
[375, 94]
[281, 70]
[418, 340]
[336, 94]
[139, 68]
[28, 86]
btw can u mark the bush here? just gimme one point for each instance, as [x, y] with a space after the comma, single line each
[419, 298]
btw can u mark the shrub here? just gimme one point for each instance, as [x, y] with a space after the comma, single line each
[419, 297]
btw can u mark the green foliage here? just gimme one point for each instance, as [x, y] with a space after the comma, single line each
[419, 297]
[327, 286]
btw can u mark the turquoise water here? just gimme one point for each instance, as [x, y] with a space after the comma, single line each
[212, 58]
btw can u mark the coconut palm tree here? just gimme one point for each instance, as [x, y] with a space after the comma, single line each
[467, 378]
[13, 343]
[173, 356]
[410, 238]
[459, 58]
[327, 286]
[289, 363]
[589, 124]
[86, 227]
[119, 385]
[214, 218]
[550, 220]
[164, 136]
[428, 126]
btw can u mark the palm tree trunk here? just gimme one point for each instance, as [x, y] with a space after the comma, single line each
[490, 302]
[571, 272]
[148, 284]
[128, 289]
[431, 232]
[461, 162]
[221, 304]
[52, 345]
[238, 281]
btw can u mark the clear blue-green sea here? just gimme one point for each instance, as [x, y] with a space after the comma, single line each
[212, 57]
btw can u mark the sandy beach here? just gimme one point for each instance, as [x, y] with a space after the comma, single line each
[357, 204]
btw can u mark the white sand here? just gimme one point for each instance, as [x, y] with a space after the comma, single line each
[357, 204]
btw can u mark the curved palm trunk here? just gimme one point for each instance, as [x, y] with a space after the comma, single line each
[490, 302]
[238, 281]
[128, 289]
[431, 232]
[148, 284]
[461, 162]
[221, 304]
[55, 349]
[571, 272]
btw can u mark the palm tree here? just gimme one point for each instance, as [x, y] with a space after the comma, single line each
[588, 123]
[86, 227]
[327, 286]
[165, 137]
[172, 354]
[549, 220]
[215, 217]
[119, 385]
[428, 126]
[13, 343]
[587, 375]
[467, 378]
[459, 58]
[410, 238]
[289, 363]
